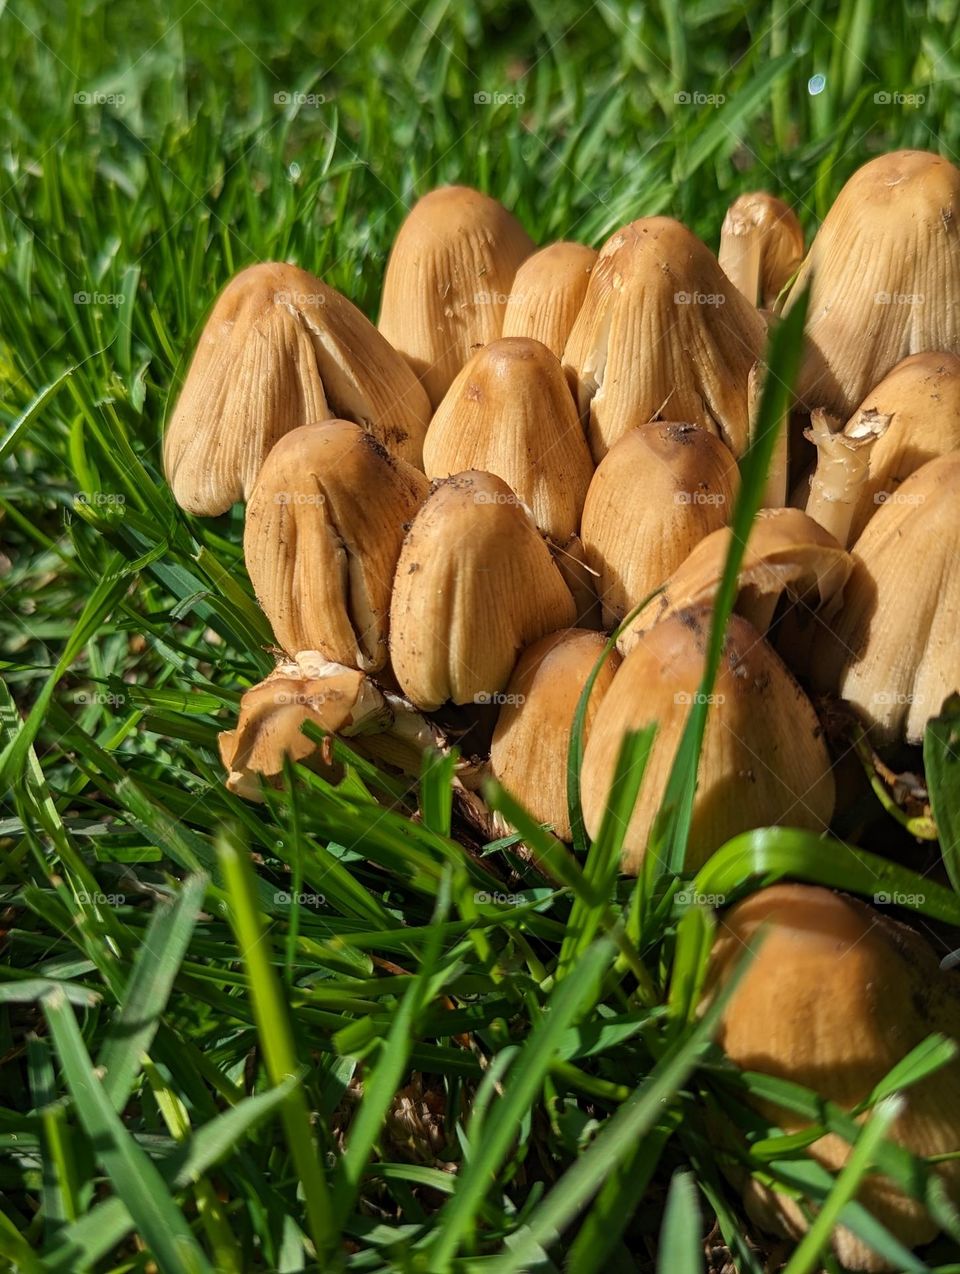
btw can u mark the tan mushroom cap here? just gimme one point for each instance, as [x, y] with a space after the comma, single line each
[763, 761]
[892, 649]
[450, 272]
[886, 995]
[475, 583]
[279, 350]
[662, 332]
[510, 412]
[532, 736]
[547, 293]
[657, 492]
[787, 552]
[886, 277]
[323, 532]
[761, 246]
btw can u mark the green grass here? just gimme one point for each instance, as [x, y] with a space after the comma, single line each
[146, 157]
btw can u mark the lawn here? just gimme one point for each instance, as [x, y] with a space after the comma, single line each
[338, 1029]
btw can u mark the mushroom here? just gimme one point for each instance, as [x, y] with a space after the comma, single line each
[475, 583]
[323, 533]
[763, 761]
[761, 246]
[547, 293]
[447, 281]
[510, 412]
[891, 650]
[787, 552]
[884, 273]
[843, 466]
[886, 995]
[532, 735]
[662, 332]
[658, 491]
[281, 349]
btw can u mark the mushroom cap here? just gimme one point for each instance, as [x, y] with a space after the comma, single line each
[510, 412]
[787, 551]
[774, 234]
[763, 762]
[547, 293]
[885, 268]
[532, 735]
[891, 650]
[280, 349]
[322, 536]
[886, 995]
[662, 331]
[447, 281]
[475, 583]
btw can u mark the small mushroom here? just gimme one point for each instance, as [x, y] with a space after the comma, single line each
[763, 762]
[448, 280]
[323, 533]
[510, 412]
[547, 293]
[532, 735]
[761, 246]
[884, 271]
[837, 994]
[281, 349]
[475, 583]
[840, 478]
[658, 491]
[891, 650]
[662, 332]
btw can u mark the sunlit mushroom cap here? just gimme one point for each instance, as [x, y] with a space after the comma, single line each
[447, 281]
[662, 333]
[763, 761]
[835, 996]
[475, 583]
[885, 269]
[281, 349]
[547, 293]
[532, 736]
[761, 246]
[323, 533]
[510, 412]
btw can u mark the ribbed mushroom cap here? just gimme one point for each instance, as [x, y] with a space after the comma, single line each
[532, 736]
[761, 246]
[547, 293]
[510, 412]
[447, 281]
[892, 650]
[886, 277]
[658, 491]
[475, 583]
[281, 349]
[835, 996]
[787, 552]
[763, 761]
[323, 533]
[662, 332]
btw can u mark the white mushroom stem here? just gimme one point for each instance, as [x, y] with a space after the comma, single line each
[740, 254]
[775, 491]
[843, 466]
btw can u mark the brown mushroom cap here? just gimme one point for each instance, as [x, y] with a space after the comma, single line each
[447, 281]
[763, 761]
[886, 994]
[885, 267]
[662, 332]
[475, 583]
[761, 246]
[323, 533]
[892, 648]
[547, 293]
[532, 735]
[510, 412]
[281, 349]
[658, 491]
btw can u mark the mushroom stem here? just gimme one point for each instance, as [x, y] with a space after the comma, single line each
[740, 256]
[775, 491]
[843, 466]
